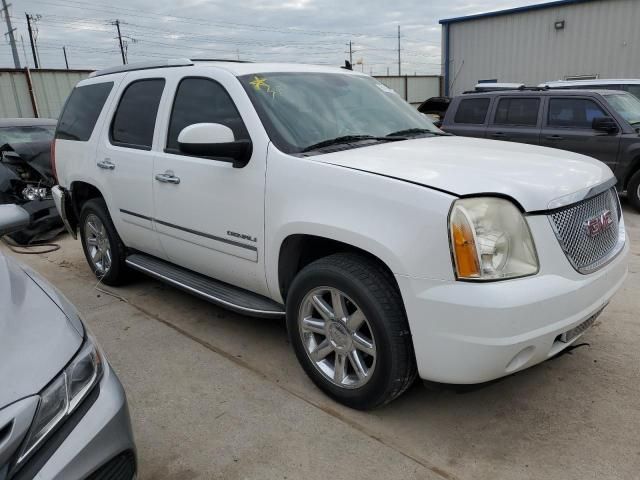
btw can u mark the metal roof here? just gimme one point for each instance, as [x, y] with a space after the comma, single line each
[510, 11]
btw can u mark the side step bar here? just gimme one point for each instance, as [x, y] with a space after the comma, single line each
[214, 291]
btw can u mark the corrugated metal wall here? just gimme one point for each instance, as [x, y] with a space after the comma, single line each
[414, 89]
[50, 89]
[601, 38]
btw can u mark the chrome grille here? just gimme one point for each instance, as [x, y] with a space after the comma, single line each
[588, 252]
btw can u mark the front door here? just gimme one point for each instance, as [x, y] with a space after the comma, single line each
[124, 160]
[567, 125]
[210, 217]
[516, 119]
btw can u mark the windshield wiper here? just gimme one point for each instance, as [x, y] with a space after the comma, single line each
[413, 131]
[345, 139]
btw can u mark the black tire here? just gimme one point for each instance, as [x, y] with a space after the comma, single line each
[632, 191]
[118, 271]
[372, 288]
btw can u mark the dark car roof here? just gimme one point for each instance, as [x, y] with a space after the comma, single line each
[545, 92]
[27, 122]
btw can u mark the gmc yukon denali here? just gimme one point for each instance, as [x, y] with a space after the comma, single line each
[394, 250]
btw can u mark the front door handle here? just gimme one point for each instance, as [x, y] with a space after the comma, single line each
[554, 137]
[106, 164]
[168, 177]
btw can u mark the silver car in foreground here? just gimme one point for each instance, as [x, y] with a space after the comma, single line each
[63, 411]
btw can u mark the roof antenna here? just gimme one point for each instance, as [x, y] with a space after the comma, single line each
[347, 65]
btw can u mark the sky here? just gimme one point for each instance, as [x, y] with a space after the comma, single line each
[301, 31]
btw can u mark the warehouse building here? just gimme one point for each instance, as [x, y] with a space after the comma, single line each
[560, 40]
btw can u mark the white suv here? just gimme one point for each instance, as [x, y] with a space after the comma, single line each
[393, 249]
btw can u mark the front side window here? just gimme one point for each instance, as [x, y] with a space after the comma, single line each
[135, 117]
[517, 111]
[82, 110]
[472, 111]
[573, 112]
[301, 110]
[634, 90]
[201, 100]
[627, 106]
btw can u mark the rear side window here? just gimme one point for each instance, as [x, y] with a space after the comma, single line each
[517, 111]
[573, 112]
[82, 110]
[472, 110]
[135, 118]
[201, 100]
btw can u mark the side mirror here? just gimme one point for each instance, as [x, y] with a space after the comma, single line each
[13, 218]
[604, 124]
[215, 141]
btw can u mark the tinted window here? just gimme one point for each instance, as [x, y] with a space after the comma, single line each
[472, 110]
[517, 111]
[573, 112]
[135, 118]
[634, 90]
[200, 100]
[82, 110]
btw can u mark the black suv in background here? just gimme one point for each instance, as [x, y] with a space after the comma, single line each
[603, 124]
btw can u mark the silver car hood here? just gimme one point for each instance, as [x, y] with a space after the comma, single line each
[37, 339]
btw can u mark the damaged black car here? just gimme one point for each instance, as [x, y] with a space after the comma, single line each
[26, 177]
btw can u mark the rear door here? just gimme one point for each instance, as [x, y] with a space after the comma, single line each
[516, 119]
[124, 160]
[567, 126]
[468, 118]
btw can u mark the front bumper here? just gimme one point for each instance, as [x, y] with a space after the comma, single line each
[466, 333]
[101, 437]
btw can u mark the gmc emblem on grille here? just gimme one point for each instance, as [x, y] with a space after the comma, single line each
[596, 225]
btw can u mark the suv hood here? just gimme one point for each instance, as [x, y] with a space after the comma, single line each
[37, 339]
[533, 176]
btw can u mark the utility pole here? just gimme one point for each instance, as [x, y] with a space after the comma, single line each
[350, 53]
[117, 24]
[10, 30]
[24, 52]
[399, 64]
[31, 39]
[66, 62]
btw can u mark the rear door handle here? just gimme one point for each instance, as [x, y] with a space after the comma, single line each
[168, 177]
[554, 137]
[106, 164]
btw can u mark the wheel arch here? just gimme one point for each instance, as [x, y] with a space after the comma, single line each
[299, 250]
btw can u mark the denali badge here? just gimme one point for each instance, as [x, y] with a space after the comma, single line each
[599, 224]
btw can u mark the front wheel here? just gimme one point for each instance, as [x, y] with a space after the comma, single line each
[347, 325]
[633, 191]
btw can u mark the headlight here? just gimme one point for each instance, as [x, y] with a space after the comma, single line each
[63, 395]
[490, 240]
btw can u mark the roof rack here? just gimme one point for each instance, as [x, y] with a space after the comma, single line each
[175, 62]
[219, 60]
[483, 88]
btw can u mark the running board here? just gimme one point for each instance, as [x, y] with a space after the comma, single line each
[214, 291]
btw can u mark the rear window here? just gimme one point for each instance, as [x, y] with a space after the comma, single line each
[82, 110]
[472, 110]
[36, 133]
[135, 119]
[517, 111]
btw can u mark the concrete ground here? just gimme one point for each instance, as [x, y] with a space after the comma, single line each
[214, 395]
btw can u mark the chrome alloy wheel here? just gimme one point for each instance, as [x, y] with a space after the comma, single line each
[98, 246]
[337, 337]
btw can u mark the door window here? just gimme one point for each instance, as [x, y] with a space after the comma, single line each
[517, 111]
[573, 112]
[472, 110]
[202, 100]
[135, 118]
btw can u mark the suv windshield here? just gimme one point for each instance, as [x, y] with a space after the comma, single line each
[626, 105]
[308, 111]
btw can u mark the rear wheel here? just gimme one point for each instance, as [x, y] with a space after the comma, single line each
[102, 246]
[347, 325]
[633, 191]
